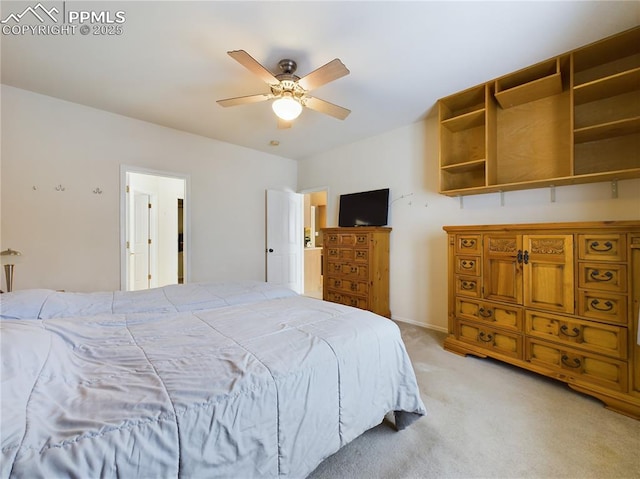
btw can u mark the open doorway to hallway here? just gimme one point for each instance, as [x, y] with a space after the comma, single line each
[315, 218]
[154, 229]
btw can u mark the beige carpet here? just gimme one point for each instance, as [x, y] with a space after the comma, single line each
[486, 419]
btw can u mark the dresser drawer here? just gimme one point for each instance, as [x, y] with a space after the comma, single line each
[351, 270]
[602, 247]
[469, 244]
[331, 239]
[361, 255]
[573, 365]
[347, 299]
[468, 286]
[506, 343]
[603, 276]
[333, 253]
[469, 265]
[348, 286]
[603, 306]
[499, 315]
[349, 239]
[348, 254]
[589, 335]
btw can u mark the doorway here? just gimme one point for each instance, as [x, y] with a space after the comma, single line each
[315, 218]
[154, 229]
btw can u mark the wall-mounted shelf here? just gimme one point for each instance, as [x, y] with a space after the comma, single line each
[465, 121]
[606, 87]
[571, 119]
[612, 129]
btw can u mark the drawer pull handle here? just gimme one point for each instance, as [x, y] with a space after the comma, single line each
[468, 264]
[354, 287]
[564, 330]
[519, 257]
[574, 363]
[595, 246]
[469, 285]
[468, 243]
[485, 313]
[525, 258]
[608, 306]
[602, 278]
[481, 337]
[337, 283]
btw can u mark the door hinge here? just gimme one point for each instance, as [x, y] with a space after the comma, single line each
[149, 276]
[127, 245]
[149, 205]
[149, 241]
[127, 188]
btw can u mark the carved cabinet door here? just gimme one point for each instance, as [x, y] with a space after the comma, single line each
[503, 268]
[548, 272]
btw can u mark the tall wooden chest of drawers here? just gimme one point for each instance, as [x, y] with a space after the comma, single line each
[560, 299]
[356, 267]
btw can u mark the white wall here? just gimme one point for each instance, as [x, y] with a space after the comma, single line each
[406, 161]
[71, 239]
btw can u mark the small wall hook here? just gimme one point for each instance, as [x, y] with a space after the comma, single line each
[60, 188]
[97, 191]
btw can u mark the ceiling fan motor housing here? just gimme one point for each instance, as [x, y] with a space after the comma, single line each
[287, 66]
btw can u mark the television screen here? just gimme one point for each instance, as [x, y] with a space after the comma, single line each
[367, 208]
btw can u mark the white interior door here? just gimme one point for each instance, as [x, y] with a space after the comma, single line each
[285, 239]
[141, 235]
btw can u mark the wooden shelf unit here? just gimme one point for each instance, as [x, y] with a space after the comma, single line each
[571, 119]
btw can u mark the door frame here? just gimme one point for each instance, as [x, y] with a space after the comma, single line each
[124, 169]
[307, 191]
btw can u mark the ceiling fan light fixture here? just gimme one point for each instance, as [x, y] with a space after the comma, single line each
[286, 107]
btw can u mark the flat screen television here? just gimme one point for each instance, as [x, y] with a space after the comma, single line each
[367, 208]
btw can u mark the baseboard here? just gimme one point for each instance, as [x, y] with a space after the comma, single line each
[422, 325]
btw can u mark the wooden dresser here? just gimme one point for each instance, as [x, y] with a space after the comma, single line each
[560, 299]
[356, 267]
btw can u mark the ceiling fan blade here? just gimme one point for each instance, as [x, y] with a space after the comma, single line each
[284, 124]
[331, 71]
[242, 100]
[327, 108]
[253, 66]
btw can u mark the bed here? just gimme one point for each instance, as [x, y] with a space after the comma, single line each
[205, 380]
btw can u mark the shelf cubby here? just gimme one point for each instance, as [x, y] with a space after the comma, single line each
[530, 84]
[463, 132]
[606, 87]
[606, 103]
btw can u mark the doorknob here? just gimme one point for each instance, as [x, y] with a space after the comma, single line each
[270, 250]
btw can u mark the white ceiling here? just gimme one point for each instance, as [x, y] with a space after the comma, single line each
[170, 64]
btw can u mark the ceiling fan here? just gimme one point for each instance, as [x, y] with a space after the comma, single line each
[290, 92]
